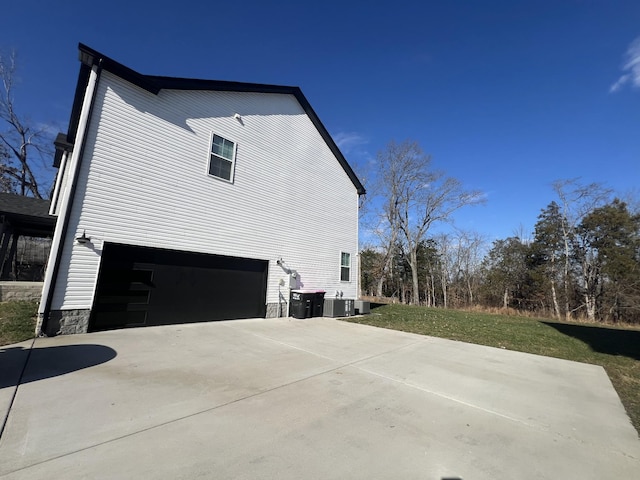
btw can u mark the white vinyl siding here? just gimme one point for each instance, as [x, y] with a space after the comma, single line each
[141, 182]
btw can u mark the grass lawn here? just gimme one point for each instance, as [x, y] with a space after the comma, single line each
[615, 349]
[17, 321]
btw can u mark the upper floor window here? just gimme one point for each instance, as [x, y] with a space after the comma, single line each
[222, 158]
[345, 266]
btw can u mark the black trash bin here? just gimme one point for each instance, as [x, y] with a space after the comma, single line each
[318, 303]
[301, 304]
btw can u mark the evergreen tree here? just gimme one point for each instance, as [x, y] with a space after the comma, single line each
[609, 247]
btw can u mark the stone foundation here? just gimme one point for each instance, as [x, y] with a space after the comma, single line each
[273, 310]
[67, 322]
[11, 291]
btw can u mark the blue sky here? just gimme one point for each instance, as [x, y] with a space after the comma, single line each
[507, 96]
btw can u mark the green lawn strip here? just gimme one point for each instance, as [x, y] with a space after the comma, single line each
[617, 350]
[17, 321]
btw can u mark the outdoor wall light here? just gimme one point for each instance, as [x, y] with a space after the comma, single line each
[238, 117]
[82, 239]
[281, 263]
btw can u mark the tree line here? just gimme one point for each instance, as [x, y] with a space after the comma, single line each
[582, 261]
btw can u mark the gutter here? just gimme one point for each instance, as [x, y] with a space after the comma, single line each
[53, 264]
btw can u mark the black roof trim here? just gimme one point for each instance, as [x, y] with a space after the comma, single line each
[62, 145]
[154, 84]
[81, 85]
[175, 83]
[89, 56]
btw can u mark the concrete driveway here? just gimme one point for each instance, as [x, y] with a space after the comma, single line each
[312, 399]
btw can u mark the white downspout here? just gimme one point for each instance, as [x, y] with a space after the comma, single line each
[54, 209]
[64, 210]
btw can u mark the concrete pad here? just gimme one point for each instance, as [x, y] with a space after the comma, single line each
[314, 398]
[12, 362]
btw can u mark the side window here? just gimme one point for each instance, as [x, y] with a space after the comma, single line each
[222, 158]
[345, 266]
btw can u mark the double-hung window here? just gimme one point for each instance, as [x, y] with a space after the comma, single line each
[222, 158]
[345, 266]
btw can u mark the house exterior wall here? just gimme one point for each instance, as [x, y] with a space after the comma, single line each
[143, 181]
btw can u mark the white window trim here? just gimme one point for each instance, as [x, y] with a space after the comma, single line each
[350, 266]
[233, 161]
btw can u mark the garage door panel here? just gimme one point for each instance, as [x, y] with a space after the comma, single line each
[109, 319]
[202, 294]
[167, 287]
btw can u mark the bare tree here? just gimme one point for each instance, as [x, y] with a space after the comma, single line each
[20, 142]
[6, 183]
[576, 201]
[467, 259]
[388, 244]
[381, 220]
[416, 197]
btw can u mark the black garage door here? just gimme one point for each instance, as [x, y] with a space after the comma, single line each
[140, 286]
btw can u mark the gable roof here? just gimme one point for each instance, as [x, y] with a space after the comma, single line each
[25, 206]
[154, 84]
[29, 215]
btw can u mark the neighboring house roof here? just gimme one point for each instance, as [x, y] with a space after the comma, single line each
[154, 84]
[25, 206]
[30, 215]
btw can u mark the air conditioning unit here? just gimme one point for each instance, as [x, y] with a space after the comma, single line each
[362, 307]
[338, 307]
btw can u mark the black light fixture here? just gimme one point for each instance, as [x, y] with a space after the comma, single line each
[83, 238]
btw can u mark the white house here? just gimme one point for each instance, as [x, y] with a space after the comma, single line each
[182, 200]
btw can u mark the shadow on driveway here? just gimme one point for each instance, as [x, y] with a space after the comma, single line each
[49, 362]
[604, 340]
